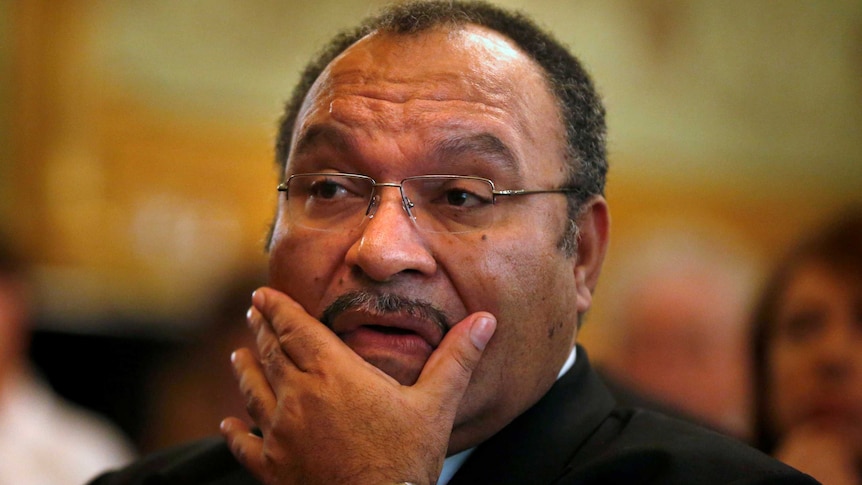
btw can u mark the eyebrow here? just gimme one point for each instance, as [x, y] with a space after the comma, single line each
[322, 134]
[485, 145]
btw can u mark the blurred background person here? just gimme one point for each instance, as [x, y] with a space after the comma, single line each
[36, 425]
[192, 389]
[674, 337]
[807, 335]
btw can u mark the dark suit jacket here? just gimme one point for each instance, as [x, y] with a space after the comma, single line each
[575, 434]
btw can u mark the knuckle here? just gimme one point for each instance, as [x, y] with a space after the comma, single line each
[273, 362]
[253, 406]
[466, 364]
[310, 344]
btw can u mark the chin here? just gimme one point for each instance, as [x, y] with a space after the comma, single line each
[405, 373]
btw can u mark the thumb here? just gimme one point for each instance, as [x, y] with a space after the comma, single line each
[450, 367]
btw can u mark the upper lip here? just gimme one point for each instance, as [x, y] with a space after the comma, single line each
[352, 319]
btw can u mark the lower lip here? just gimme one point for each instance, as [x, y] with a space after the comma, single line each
[364, 340]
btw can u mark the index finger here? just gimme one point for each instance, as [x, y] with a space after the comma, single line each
[302, 337]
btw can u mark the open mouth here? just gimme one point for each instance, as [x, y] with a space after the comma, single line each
[380, 342]
[390, 330]
[387, 320]
[398, 351]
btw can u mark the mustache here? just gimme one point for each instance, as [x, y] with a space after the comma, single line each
[383, 303]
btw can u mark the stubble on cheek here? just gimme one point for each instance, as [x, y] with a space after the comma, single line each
[539, 301]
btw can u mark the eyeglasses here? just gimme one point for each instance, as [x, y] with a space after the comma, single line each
[435, 203]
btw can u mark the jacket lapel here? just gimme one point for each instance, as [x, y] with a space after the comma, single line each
[537, 446]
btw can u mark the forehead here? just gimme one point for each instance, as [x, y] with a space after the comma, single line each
[817, 275]
[469, 62]
[437, 83]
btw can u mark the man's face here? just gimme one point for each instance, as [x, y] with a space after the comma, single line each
[443, 102]
[815, 354]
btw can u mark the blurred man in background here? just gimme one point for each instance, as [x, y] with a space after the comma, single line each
[44, 440]
[675, 335]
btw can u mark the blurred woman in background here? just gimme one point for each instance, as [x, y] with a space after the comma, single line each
[807, 336]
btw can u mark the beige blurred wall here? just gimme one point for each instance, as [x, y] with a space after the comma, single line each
[137, 136]
[5, 111]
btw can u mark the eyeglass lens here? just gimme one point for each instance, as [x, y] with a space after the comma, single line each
[437, 203]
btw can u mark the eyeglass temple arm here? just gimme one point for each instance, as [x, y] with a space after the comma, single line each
[282, 187]
[566, 190]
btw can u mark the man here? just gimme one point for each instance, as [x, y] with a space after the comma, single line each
[36, 423]
[449, 304]
[675, 336]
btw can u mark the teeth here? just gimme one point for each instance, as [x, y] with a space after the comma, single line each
[389, 330]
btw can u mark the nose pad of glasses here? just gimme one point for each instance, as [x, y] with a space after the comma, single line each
[373, 204]
[408, 206]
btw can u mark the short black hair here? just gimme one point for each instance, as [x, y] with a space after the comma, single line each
[582, 112]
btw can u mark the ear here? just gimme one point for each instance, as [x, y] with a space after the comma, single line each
[593, 230]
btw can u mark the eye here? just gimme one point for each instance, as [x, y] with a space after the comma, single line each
[325, 189]
[804, 324]
[463, 198]
[462, 194]
[333, 188]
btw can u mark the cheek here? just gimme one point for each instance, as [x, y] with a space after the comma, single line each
[316, 258]
[496, 275]
[532, 294]
[789, 386]
[529, 278]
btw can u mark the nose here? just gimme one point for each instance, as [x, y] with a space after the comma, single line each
[390, 243]
[837, 350]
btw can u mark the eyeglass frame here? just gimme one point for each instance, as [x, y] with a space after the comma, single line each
[407, 204]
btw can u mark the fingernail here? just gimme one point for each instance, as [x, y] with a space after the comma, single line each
[224, 425]
[482, 331]
[258, 298]
[233, 357]
[249, 318]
